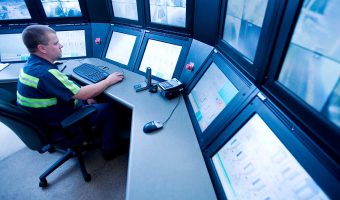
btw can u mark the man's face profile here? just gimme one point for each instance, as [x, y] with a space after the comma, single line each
[53, 48]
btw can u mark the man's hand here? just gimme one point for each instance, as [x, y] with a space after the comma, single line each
[91, 101]
[115, 78]
[93, 90]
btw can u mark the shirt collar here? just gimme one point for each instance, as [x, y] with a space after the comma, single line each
[36, 59]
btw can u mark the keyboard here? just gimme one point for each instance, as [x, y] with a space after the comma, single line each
[90, 72]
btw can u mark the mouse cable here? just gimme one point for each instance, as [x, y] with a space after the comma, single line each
[173, 110]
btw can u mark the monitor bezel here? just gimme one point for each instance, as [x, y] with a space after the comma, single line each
[72, 27]
[315, 162]
[129, 31]
[245, 94]
[170, 39]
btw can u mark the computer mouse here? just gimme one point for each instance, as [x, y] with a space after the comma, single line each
[153, 89]
[152, 126]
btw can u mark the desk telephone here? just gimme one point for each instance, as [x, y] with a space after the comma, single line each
[171, 88]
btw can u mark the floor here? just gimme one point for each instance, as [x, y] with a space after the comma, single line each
[9, 142]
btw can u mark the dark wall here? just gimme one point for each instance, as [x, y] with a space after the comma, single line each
[98, 11]
[99, 30]
[206, 21]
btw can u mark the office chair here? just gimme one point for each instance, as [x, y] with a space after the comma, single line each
[34, 134]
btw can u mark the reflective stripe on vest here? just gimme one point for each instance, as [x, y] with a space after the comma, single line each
[28, 80]
[65, 81]
[35, 103]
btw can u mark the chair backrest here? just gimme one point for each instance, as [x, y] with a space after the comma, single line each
[21, 122]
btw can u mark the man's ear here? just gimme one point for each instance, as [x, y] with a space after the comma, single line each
[41, 48]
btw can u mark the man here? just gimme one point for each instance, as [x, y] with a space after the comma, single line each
[50, 96]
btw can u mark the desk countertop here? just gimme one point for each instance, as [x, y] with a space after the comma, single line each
[166, 164]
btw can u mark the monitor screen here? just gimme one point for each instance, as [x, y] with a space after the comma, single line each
[12, 48]
[61, 8]
[125, 9]
[211, 95]
[171, 12]
[243, 25]
[73, 42]
[13, 9]
[120, 47]
[254, 164]
[162, 57]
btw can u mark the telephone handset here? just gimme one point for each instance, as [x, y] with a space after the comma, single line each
[172, 84]
[146, 84]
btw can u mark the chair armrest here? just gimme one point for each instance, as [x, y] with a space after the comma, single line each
[78, 116]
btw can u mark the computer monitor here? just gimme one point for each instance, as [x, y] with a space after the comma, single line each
[164, 55]
[13, 10]
[171, 13]
[123, 46]
[12, 48]
[263, 155]
[74, 43]
[61, 8]
[215, 96]
[243, 24]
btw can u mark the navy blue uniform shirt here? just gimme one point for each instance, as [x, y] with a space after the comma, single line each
[46, 92]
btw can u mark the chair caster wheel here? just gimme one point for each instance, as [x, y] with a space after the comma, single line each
[87, 178]
[43, 183]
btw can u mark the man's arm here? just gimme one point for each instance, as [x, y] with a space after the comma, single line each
[93, 90]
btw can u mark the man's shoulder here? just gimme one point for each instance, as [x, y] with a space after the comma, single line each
[36, 70]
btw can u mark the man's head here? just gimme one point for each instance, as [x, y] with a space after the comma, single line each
[42, 41]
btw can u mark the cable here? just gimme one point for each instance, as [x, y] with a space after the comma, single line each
[173, 110]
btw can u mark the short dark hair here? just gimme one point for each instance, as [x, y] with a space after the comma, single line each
[34, 35]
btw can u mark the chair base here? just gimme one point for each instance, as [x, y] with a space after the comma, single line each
[69, 154]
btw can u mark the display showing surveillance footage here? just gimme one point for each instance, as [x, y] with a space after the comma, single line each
[243, 24]
[13, 9]
[311, 69]
[61, 8]
[168, 12]
[125, 9]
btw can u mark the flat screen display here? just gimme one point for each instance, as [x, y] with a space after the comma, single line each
[61, 8]
[120, 47]
[243, 25]
[162, 57]
[211, 95]
[125, 9]
[254, 164]
[12, 48]
[311, 68]
[73, 42]
[170, 12]
[13, 9]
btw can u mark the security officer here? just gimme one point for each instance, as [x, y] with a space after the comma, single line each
[50, 96]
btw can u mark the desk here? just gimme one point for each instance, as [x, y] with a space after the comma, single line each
[167, 164]
[11, 73]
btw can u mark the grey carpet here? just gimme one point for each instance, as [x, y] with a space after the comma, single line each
[19, 177]
[9, 142]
